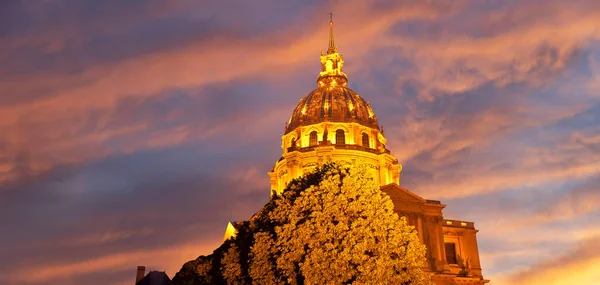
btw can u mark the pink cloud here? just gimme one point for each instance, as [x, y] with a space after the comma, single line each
[577, 267]
[48, 128]
[169, 259]
[56, 118]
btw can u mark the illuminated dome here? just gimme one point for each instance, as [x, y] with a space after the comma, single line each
[333, 123]
[332, 103]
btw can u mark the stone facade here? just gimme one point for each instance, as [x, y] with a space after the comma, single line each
[452, 249]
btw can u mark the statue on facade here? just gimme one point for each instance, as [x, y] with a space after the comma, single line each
[465, 266]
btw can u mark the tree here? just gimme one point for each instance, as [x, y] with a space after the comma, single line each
[231, 266]
[331, 226]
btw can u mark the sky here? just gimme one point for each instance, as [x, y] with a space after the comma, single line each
[132, 131]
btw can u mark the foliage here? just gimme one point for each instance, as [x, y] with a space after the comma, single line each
[331, 226]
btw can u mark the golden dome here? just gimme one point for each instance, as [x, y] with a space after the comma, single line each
[332, 101]
[332, 104]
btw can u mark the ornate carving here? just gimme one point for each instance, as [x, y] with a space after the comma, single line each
[465, 266]
[309, 164]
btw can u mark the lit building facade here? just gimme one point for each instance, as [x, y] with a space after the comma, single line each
[333, 123]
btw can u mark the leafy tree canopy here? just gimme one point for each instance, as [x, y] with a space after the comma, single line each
[331, 226]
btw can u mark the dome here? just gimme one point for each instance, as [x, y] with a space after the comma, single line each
[332, 103]
[333, 123]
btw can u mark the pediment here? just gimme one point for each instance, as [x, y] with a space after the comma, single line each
[399, 194]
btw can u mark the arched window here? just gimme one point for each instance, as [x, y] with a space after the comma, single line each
[313, 139]
[340, 137]
[365, 140]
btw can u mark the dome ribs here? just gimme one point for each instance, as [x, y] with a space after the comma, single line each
[332, 104]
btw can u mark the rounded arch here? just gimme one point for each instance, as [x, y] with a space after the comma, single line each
[366, 140]
[340, 127]
[313, 138]
[312, 128]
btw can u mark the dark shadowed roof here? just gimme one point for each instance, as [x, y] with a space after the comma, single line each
[155, 278]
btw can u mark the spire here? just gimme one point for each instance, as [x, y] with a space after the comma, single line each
[331, 63]
[332, 48]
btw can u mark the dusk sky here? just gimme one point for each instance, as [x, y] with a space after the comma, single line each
[132, 131]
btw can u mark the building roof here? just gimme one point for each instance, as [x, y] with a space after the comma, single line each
[332, 104]
[155, 278]
[232, 229]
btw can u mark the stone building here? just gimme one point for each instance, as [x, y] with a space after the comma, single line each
[334, 123]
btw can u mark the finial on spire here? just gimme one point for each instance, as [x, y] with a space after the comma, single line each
[331, 49]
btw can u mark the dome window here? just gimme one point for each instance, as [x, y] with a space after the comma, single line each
[313, 139]
[365, 140]
[340, 137]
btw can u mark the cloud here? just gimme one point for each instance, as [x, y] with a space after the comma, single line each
[530, 51]
[449, 154]
[71, 112]
[584, 260]
[128, 128]
[579, 201]
[118, 213]
[166, 255]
